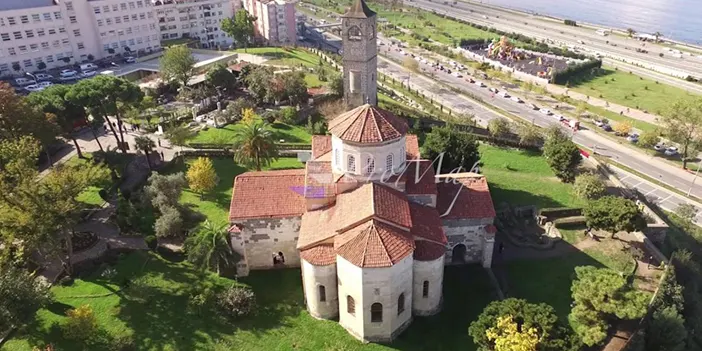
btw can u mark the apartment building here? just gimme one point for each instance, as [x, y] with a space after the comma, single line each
[197, 19]
[37, 34]
[275, 20]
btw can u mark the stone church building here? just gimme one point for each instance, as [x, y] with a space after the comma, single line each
[367, 220]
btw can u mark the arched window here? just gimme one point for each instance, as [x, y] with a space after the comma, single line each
[370, 165]
[322, 293]
[350, 305]
[388, 162]
[351, 166]
[376, 313]
[401, 304]
[355, 33]
[425, 289]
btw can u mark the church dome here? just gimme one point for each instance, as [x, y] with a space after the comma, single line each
[368, 124]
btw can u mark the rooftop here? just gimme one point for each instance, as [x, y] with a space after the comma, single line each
[374, 244]
[464, 195]
[368, 124]
[270, 194]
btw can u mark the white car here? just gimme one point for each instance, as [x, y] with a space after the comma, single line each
[558, 117]
[671, 151]
[494, 90]
[599, 123]
[87, 74]
[633, 138]
[24, 81]
[504, 94]
[457, 74]
[546, 111]
[517, 99]
[33, 88]
[45, 85]
[659, 147]
[44, 76]
[480, 84]
[130, 59]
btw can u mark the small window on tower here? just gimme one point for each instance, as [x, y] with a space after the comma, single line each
[355, 81]
[355, 33]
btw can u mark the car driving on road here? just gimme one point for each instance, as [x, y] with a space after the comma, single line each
[546, 111]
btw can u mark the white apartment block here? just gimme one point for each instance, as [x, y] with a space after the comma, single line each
[275, 20]
[197, 19]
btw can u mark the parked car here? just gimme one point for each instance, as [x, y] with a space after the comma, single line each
[494, 90]
[45, 84]
[33, 88]
[88, 67]
[87, 74]
[599, 123]
[471, 80]
[517, 99]
[480, 84]
[504, 94]
[606, 127]
[671, 151]
[660, 147]
[633, 138]
[534, 107]
[24, 81]
[546, 111]
[43, 76]
[130, 59]
[457, 74]
[559, 117]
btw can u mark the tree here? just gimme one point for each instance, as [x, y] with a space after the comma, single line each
[210, 248]
[451, 149]
[614, 214]
[410, 64]
[589, 186]
[237, 301]
[177, 64]
[682, 123]
[630, 32]
[201, 176]
[103, 96]
[601, 294]
[259, 82]
[16, 66]
[145, 145]
[295, 87]
[53, 100]
[236, 108]
[165, 190]
[169, 223]
[240, 28]
[530, 135]
[180, 135]
[331, 109]
[41, 66]
[507, 336]
[657, 35]
[686, 211]
[254, 145]
[666, 331]
[336, 85]
[649, 139]
[552, 335]
[562, 155]
[81, 323]
[249, 115]
[21, 295]
[221, 76]
[622, 128]
[498, 128]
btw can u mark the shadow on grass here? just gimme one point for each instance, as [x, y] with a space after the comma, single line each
[585, 78]
[501, 196]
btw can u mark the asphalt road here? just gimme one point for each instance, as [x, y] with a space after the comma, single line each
[436, 88]
[555, 31]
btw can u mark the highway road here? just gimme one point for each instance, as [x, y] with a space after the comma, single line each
[546, 29]
[436, 88]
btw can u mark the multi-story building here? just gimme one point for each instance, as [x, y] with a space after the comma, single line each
[275, 20]
[47, 33]
[196, 19]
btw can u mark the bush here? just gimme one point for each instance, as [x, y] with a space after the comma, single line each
[589, 186]
[574, 71]
[288, 115]
[151, 242]
[237, 301]
[81, 323]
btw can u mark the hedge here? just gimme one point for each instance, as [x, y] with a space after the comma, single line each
[559, 212]
[573, 71]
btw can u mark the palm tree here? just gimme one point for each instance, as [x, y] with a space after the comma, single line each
[254, 145]
[631, 32]
[146, 145]
[657, 35]
[210, 248]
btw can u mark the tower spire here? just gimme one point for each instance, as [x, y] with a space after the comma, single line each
[359, 10]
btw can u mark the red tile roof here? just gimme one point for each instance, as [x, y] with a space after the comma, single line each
[319, 180]
[321, 144]
[464, 195]
[427, 224]
[428, 251]
[412, 147]
[368, 124]
[269, 194]
[317, 91]
[320, 255]
[419, 178]
[374, 244]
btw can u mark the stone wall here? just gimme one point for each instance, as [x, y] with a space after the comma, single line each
[312, 278]
[468, 232]
[433, 273]
[260, 239]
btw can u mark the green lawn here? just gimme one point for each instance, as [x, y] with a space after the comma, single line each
[152, 313]
[284, 56]
[281, 131]
[631, 90]
[313, 81]
[519, 177]
[91, 195]
[215, 206]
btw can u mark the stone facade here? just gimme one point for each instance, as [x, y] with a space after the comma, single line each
[471, 234]
[360, 61]
[260, 239]
[320, 289]
[428, 282]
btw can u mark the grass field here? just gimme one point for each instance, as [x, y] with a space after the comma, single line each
[284, 56]
[152, 313]
[281, 131]
[215, 206]
[632, 91]
[520, 178]
[91, 195]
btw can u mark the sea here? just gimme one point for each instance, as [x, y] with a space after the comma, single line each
[676, 19]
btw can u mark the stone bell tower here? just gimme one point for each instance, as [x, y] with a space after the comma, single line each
[360, 57]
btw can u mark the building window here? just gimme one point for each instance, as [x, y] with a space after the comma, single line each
[49, 59]
[24, 19]
[40, 32]
[81, 46]
[355, 34]
[76, 32]
[73, 19]
[350, 305]
[96, 9]
[351, 164]
[18, 35]
[425, 289]
[401, 304]
[388, 162]
[370, 165]
[47, 16]
[69, 5]
[29, 33]
[11, 21]
[36, 18]
[377, 313]
[6, 37]
[62, 30]
[57, 15]
[27, 63]
[322, 293]
[52, 31]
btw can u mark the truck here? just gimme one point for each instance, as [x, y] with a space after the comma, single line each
[573, 124]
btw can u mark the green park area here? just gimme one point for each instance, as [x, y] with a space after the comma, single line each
[282, 133]
[284, 56]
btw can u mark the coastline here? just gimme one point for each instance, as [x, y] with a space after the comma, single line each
[547, 17]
